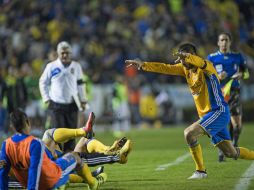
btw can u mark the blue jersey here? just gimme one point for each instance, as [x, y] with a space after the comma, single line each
[230, 62]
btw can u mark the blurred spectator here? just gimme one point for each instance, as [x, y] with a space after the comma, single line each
[16, 89]
[99, 36]
[149, 109]
[105, 32]
[3, 111]
[120, 105]
[34, 107]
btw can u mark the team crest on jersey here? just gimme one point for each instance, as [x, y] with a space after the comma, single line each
[219, 68]
[225, 57]
[196, 88]
[72, 70]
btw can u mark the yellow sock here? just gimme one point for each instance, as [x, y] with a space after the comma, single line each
[85, 173]
[76, 178]
[246, 154]
[96, 146]
[62, 135]
[196, 153]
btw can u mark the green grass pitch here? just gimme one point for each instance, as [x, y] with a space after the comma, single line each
[155, 147]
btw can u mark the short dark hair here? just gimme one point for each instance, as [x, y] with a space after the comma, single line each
[18, 120]
[187, 48]
[227, 34]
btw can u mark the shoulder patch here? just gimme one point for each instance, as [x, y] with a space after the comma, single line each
[55, 71]
[213, 54]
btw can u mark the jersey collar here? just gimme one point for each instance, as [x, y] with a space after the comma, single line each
[220, 53]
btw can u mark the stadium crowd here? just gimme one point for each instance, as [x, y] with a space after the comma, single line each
[103, 33]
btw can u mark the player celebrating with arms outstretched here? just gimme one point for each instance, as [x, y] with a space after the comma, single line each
[213, 111]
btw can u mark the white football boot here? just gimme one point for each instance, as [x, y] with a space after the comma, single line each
[198, 175]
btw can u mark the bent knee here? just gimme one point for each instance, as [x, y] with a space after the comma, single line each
[187, 133]
[48, 135]
[74, 155]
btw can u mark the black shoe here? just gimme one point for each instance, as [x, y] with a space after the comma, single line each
[222, 158]
[122, 141]
[98, 171]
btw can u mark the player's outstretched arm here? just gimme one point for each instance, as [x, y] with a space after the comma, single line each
[136, 63]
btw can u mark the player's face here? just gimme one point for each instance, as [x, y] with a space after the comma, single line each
[65, 56]
[187, 66]
[224, 43]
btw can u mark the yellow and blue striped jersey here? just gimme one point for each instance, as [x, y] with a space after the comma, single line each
[203, 82]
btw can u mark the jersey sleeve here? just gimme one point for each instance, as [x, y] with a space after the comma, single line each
[44, 83]
[4, 169]
[204, 64]
[243, 67]
[209, 58]
[163, 68]
[81, 84]
[36, 157]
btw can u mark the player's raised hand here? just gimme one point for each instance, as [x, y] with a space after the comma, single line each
[222, 75]
[237, 75]
[136, 63]
[180, 56]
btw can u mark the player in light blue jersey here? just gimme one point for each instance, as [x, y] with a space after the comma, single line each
[231, 67]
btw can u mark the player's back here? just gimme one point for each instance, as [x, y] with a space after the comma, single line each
[18, 150]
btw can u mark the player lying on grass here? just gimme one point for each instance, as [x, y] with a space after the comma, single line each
[92, 151]
[212, 109]
[30, 164]
[99, 153]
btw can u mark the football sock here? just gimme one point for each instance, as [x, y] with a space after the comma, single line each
[196, 153]
[96, 146]
[231, 130]
[62, 135]
[76, 178]
[85, 173]
[236, 134]
[246, 154]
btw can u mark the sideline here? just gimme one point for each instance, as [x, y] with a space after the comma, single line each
[176, 162]
[246, 178]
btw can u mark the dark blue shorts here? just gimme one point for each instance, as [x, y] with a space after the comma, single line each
[215, 123]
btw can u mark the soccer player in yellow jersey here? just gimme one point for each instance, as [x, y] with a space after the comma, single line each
[213, 111]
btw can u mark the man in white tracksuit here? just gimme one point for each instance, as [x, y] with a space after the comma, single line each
[62, 88]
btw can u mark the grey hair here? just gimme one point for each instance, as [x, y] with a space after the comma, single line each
[63, 45]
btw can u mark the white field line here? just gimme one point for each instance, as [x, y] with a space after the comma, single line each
[176, 162]
[246, 178]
